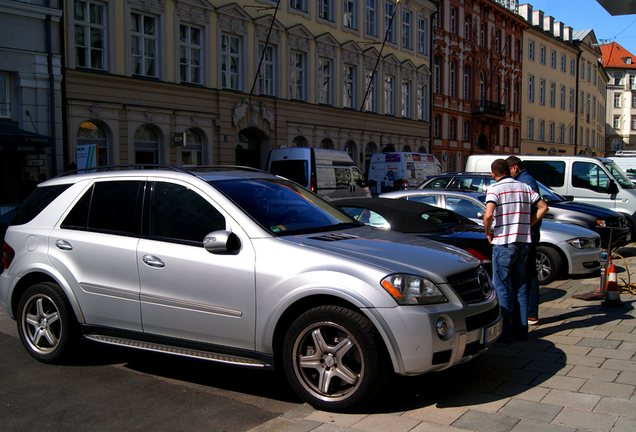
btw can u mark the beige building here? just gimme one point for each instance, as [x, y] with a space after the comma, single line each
[176, 82]
[563, 100]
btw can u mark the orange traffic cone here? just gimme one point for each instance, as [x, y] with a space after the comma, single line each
[612, 293]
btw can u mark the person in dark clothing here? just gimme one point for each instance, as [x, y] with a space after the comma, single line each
[531, 286]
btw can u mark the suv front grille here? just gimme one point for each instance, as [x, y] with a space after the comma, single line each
[472, 286]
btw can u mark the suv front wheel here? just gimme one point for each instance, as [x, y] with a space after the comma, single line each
[45, 322]
[333, 358]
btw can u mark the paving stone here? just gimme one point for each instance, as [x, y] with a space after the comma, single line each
[627, 378]
[526, 425]
[510, 362]
[625, 424]
[617, 406]
[432, 427]
[621, 327]
[599, 343]
[627, 346]
[577, 360]
[541, 355]
[611, 353]
[574, 400]
[627, 337]
[481, 385]
[330, 428]
[385, 422]
[485, 422]
[530, 410]
[620, 365]
[443, 415]
[513, 375]
[587, 420]
[521, 391]
[342, 420]
[562, 339]
[548, 367]
[479, 401]
[571, 349]
[559, 382]
[302, 426]
[595, 373]
[622, 391]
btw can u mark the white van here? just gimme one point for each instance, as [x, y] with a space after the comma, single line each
[400, 170]
[329, 173]
[592, 180]
[626, 160]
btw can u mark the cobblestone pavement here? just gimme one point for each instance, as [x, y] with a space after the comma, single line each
[577, 372]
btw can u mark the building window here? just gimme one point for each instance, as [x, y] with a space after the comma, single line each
[589, 72]
[324, 81]
[517, 50]
[552, 131]
[594, 76]
[572, 66]
[466, 82]
[466, 130]
[531, 50]
[325, 10]
[143, 44]
[506, 137]
[582, 102]
[348, 95]
[94, 133]
[541, 130]
[571, 100]
[90, 41]
[542, 92]
[617, 122]
[267, 71]
[451, 128]
[453, 79]
[389, 23]
[422, 36]
[436, 126]
[594, 107]
[407, 103]
[146, 145]
[350, 15]
[562, 133]
[482, 34]
[563, 63]
[507, 46]
[453, 20]
[633, 100]
[515, 138]
[371, 97]
[530, 88]
[192, 151]
[371, 17]
[553, 59]
[530, 128]
[515, 98]
[190, 54]
[563, 97]
[498, 41]
[437, 62]
[297, 75]
[468, 22]
[389, 95]
[633, 122]
[632, 79]
[542, 54]
[406, 30]
[617, 79]
[300, 5]
[617, 100]
[482, 87]
[230, 62]
[552, 95]
[5, 102]
[422, 102]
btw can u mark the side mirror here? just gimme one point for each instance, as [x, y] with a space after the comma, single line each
[221, 241]
[612, 189]
[480, 215]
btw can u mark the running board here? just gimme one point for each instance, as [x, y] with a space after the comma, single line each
[183, 352]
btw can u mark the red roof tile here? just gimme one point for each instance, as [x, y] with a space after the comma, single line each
[615, 56]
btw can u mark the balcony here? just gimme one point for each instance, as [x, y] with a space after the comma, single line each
[490, 109]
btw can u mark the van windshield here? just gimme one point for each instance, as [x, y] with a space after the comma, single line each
[619, 175]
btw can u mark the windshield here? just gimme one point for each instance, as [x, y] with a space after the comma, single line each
[548, 194]
[619, 175]
[283, 207]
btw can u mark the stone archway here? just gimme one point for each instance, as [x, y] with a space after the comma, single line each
[252, 148]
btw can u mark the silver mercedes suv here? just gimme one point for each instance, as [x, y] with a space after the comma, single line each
[242, 267]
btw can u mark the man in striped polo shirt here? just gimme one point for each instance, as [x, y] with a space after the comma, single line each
[507, 223]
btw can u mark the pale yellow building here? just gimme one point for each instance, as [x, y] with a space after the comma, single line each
[176, 82]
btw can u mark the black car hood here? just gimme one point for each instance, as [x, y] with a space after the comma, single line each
[590, 209]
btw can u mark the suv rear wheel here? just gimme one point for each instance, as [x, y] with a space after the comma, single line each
[45, 322]
[333, 358]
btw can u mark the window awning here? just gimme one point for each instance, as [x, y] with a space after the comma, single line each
[15, 140]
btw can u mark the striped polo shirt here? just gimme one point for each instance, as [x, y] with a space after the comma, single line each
[513, 212]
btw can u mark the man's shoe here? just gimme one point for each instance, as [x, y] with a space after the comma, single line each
[533, 321]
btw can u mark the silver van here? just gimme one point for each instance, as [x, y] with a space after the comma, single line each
[332, 174]
[592, 180]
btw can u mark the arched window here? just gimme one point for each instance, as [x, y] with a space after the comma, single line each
[422, 149]
[146, 145]
[369, 150]
[352, 150]
[91, 132]
[406, 148]
[192, 151]
[326, 144]
[300, 141]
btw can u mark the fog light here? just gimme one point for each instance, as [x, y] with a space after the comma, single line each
[444, 328]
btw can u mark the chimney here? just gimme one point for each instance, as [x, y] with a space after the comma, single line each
[558, 29]
[537, 18]
[525, 10]
[548, 24]
[567, 34]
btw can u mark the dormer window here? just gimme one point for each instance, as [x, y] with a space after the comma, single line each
[628, 60]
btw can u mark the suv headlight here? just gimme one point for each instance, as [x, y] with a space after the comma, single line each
[582, 243]
[412, 290]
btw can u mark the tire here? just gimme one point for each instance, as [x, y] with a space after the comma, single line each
[334, 359]
[46, 324]
[548, 264]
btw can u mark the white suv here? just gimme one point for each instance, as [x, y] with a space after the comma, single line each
[239, 267]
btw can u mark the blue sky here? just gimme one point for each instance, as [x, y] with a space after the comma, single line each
[586, 14]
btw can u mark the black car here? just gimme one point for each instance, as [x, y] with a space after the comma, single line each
[607, 223]
[424, 220]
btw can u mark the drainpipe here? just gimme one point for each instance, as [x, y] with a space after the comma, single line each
[49, 53]
[430, 90]
[576, 98]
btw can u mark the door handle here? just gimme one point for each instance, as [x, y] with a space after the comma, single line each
[153, 261]
[63, 245]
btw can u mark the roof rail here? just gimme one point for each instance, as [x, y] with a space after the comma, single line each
[625, 153]
[205, 168]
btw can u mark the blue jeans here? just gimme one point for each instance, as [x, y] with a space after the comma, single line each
[508, 276]
[532, 283]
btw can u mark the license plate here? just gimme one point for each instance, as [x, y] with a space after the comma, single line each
[491, 333]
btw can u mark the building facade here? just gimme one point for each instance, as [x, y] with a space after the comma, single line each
[198, 82]
[477, 79]
[549, 103]
[30, 95]
[621, 94]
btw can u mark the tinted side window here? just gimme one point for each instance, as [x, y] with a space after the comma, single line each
[295, 170]
[550, 173]
[589, 176]
[181, 214]
[440, 183]
[36, 202]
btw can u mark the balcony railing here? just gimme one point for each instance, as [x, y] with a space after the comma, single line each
[490, 108]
